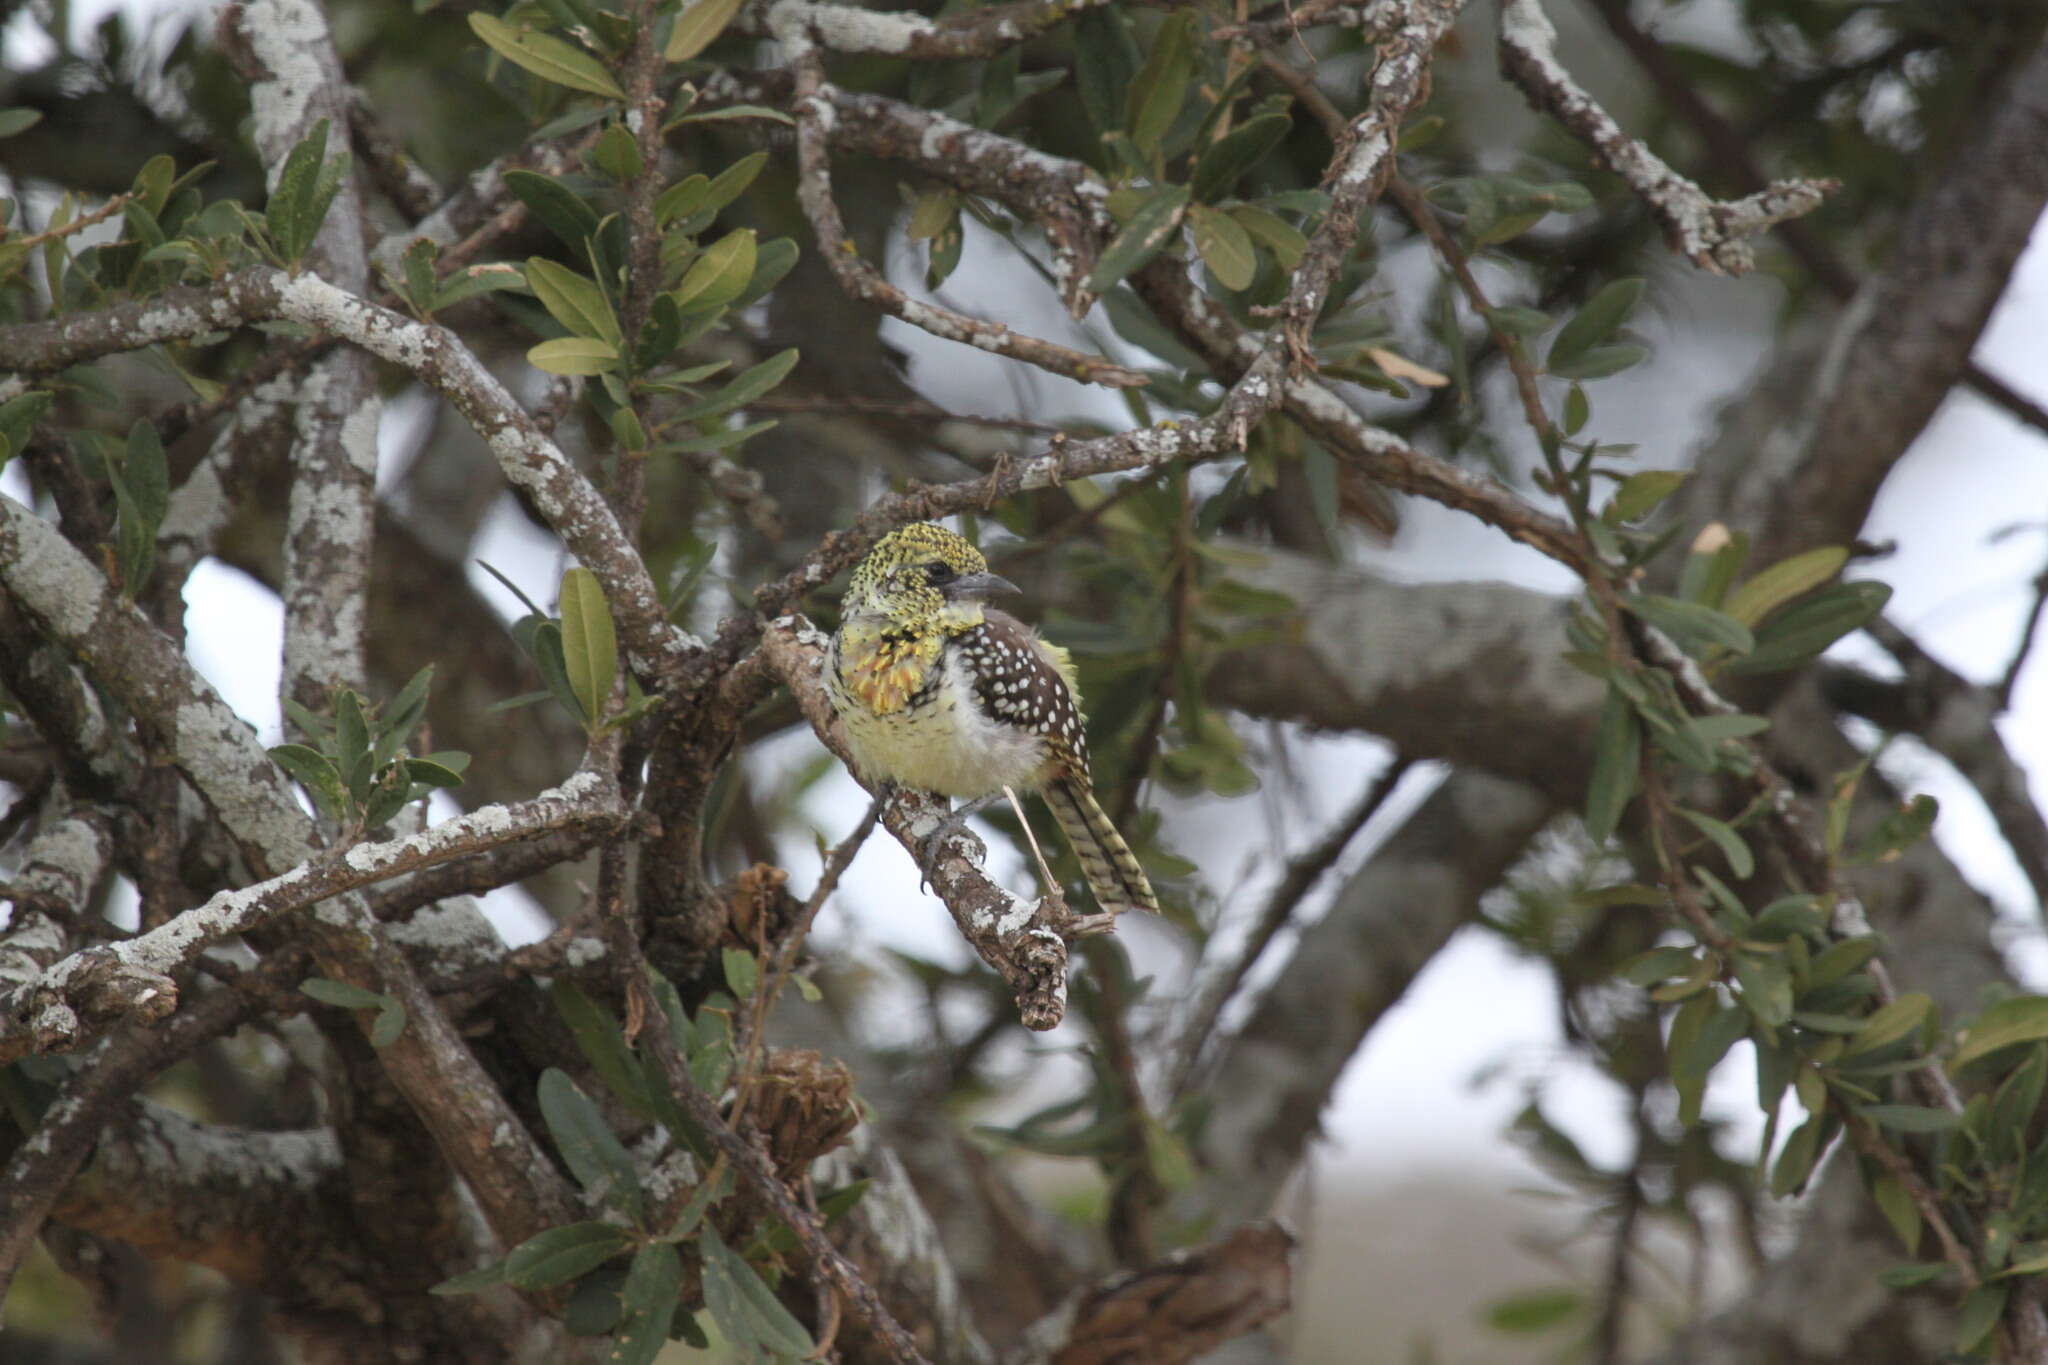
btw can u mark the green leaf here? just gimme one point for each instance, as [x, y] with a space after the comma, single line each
[587, 1144]
[681, 200]
[1900, 829]
[1796, 1162]
[1799, 632]
[558, 207]
[342, 994]
[1912, 1275]
[389, 1025]
[1640, 493]
[1732, 847]
[1899, 1210]
[1224, 246]
[603, 1044]
[1145, 236]
[315, 772]
[1279, 236]
[1105, 64]
[700, 22]
[1601, 361]
[730, 183]
[742, 972]
[1161, 85]
[399, 718]
[744, 388]
[574, 355]
[1910, 1118]
[590, 648]
[562, 1254]
[744, 1308]
[616, 153]
[472, 1281]
[1981, 1310]
[573, 300]
[1617, 750]
[719, 274]
[547, 57]
[1783, 581]
[1658, 964]
[1595, 322]
[351, 738]
[934, 211]
[1226, 160]
[1890, 1023]
[1690, 624]
[18, 120]
[1538, 1310]
[652, 1292]
[2023, 1019]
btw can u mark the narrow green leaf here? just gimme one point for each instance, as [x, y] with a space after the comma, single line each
[573, 300]
[730, 183]
[1783, 581]
[342, 994]
[545, 56]
[18, 120]
[680, 200]
[590, 648]
[1910, 1118]
[1913, 1275]
[586, 1142]
[934, 212]
[603, 1044]
[562, 1254]
[731, 113]
[652, 1293]
[1796, 1162]
[1105, 64]
[1640, 493]
[745, 387]
[1891, 1023]
[742, 972]
[574, 355]
[745, 1308]
[2023, 1019]
[1617, 750]
[1596, 321]
[1981, 1310]
[719, 275]
[697, 26]
[1224, 246]
[1282, 238]
[389, 1025]
[1226, 160]
[1538, 1310]
[1740, 861]
[558, 207]
[1802, 630]
[315, 772]
[1901, 828]
[472, 1281]
[1161, 85]
[1145, 236]
[400, 718]
[1690, 624]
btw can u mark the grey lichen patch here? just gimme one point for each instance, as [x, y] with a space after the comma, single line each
[288, 38]
[47, 575]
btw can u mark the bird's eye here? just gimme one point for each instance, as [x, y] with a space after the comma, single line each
[938, 571]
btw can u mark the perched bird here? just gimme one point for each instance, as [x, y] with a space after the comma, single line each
[937, 691]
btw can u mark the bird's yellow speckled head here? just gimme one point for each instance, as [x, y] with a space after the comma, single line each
[922, 577]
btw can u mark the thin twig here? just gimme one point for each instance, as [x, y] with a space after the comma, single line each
[1300, 876]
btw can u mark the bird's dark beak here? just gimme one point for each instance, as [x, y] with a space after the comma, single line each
[977, 585]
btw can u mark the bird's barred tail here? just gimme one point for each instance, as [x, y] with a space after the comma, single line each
[1107, 861]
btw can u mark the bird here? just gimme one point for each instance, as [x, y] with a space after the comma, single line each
[937, 691]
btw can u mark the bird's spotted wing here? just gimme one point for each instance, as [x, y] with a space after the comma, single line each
[1017, 682]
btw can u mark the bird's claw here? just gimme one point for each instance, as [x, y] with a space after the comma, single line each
[929, 847]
